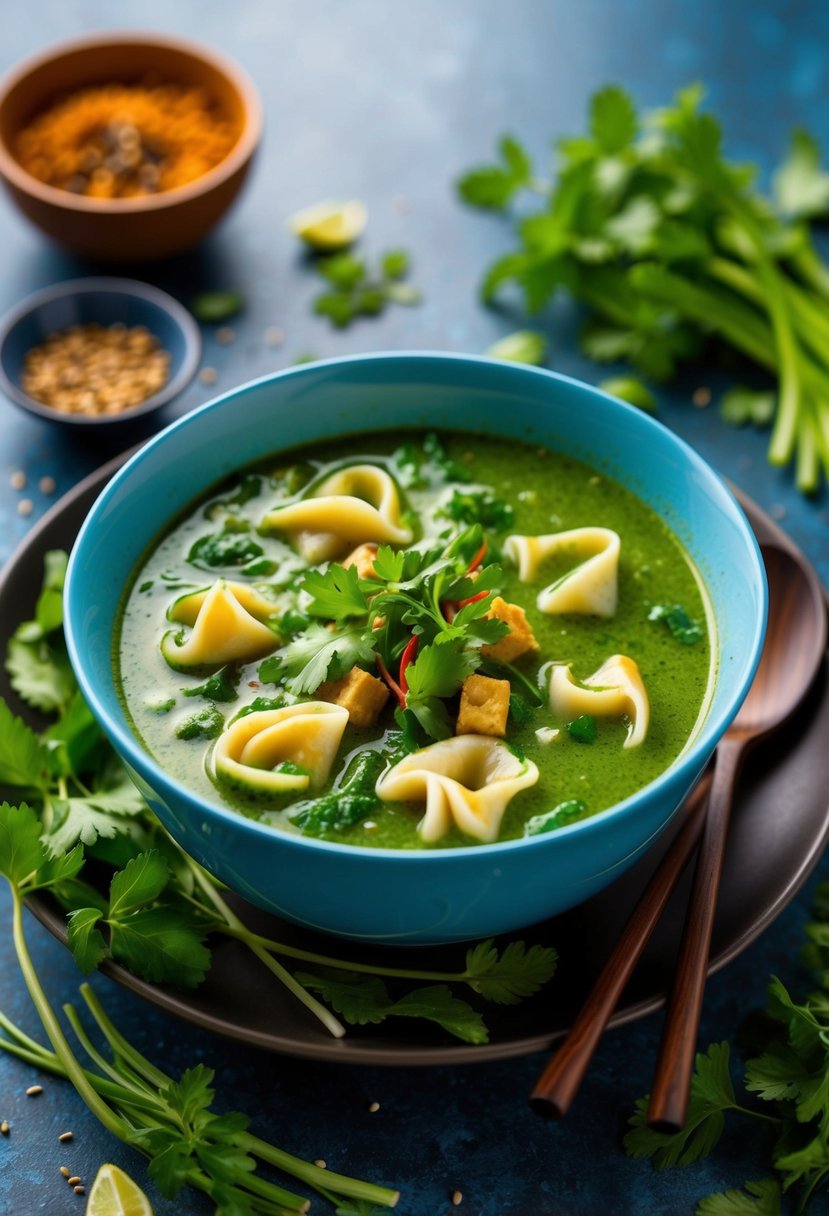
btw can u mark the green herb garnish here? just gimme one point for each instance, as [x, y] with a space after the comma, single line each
[355, 291]
[478, 507]
[682, 627]
[524, 346]
[565, 812]
[205, 723]
[214, 306]
[583, 729]
[224, 549]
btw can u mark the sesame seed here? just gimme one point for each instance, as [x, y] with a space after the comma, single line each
[701, 397]
[18, 480]
[64, 1171]
[457, 1198]
[274, 336]
[34, 1090]
[79, 1190]
[64, 1136]
[374, 1107]
[319, 1163]
[47, 485]
[25, 506]
[208, 375]
[4, 1128]
[74, 1180]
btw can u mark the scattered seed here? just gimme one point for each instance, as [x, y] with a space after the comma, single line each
[701, 397]
[34, 1090]
[47, 485]
[778, 511]
[274, 336]
[18, 480]
[4, 1128]
[225, 335]
[79, 1190]
[208, 375]
[25, 506]
[319, 1163]
[74, 1180]
[64, 1136]
[64, 1171]
[373, 1107]
[457, 1198]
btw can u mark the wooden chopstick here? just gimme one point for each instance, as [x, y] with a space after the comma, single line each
[558, 1084]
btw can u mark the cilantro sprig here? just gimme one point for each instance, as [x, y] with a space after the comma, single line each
[668, 244]
[357, 291]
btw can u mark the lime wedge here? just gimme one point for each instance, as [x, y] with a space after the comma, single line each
[329, 225]
[115, 1194]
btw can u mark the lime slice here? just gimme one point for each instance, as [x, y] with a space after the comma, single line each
[329, 225]
[115, 1194]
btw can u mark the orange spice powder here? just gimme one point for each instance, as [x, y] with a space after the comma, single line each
[124, 141]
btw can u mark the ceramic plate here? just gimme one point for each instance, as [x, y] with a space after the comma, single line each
[779, 829]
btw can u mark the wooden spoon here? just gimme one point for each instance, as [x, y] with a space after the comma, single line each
[787, 668]
[794, 648]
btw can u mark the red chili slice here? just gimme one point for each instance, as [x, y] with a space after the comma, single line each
[392, 683]
[405, 659]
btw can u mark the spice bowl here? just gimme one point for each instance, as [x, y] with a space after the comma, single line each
[148, 219]
[156, 321]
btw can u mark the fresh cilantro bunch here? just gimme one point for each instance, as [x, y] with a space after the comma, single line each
[669, 245]
[356, 291]
[786, 1081]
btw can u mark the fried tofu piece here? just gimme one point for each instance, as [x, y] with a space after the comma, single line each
[363, 695]
[363, 558]
[519, 641]
[484, 706]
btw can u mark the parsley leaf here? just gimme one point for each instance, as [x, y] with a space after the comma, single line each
[741, 405]
[800, 186]
[439, 669]
[214, 306]
[221, 686]
[335, 593]
[613, 122]
[21, 852]
[162, 945]
[494, 186]
[681, 625]
[140, 882]
[357, 292]
[85, 939]
[315, 656]
[39, 675]
[761, 1198]
[523, 346]
[24, 760]
[478, 507]
[224, 549]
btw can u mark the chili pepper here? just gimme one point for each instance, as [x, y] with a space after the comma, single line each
[477, 559]
[405, 659]
[393, 685]
[472, 599]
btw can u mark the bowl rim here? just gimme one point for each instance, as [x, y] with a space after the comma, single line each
[131, 288]
[685, 767]
[239, 154]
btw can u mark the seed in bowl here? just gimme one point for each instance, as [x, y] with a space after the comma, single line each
[124, 141]
[92, 369]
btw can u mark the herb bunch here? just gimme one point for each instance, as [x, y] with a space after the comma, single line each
[787, 1072]
[131, 894]
[668, 245]
[355, 290]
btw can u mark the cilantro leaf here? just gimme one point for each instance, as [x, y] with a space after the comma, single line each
[761, 1198]
[214, 306]
[494, 186]
[439, 669]
[85, 940]
[516, 973]
[336, 593]
[21, 852]
[681, 625]
[800, 186]
[478, 507]
[315, 656]
[49, 607]
[40, 674]
[523, 346]
[224, 549]
[741, 405]
[631, 390]
[436, 1003]
[205, 723]
[102, 814]
[221, 686]
[24, 760]
[140, 882]
[613, 122]
[711, 1093]
[162, 945]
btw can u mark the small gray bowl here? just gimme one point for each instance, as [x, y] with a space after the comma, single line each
[106, 301]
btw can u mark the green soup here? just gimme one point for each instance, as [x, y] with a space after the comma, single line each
[458, 498]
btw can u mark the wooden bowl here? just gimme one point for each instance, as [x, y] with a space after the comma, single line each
[127, 229]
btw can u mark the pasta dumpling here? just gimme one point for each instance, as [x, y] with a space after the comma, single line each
[615, 690]
[228, 621]
[468, 781]
[352, 506]
[591, 587]
[303, 738]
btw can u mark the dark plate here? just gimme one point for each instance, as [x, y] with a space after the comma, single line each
[779, 828]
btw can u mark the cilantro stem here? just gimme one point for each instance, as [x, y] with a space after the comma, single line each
[56, 1037]
[325, 1016]
[810, 1190]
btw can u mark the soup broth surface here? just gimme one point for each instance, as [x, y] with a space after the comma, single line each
[514, 489]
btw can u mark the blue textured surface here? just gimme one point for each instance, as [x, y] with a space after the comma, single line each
[388, 103]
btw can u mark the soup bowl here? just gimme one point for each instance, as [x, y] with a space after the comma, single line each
[422, 895]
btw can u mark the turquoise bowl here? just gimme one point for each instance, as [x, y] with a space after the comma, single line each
[423, 896]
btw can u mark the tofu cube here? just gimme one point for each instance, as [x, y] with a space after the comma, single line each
[484, 706]
[519, 641]
[363, 695]
[363, 558]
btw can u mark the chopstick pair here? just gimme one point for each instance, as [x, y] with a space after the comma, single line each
[559, 1082]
